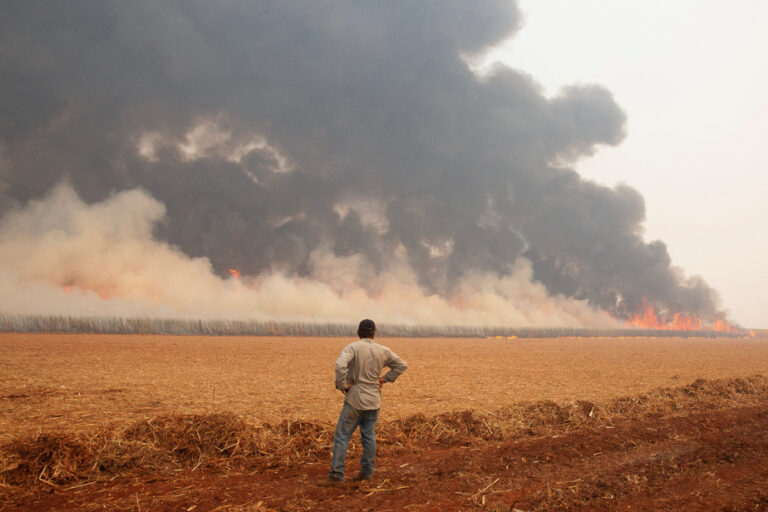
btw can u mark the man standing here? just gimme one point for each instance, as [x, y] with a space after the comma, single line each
[358, 376]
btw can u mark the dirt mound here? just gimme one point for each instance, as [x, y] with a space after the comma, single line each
[161, 443]
[700, 393]
[227, 441]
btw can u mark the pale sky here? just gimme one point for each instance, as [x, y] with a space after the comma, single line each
[692, 78]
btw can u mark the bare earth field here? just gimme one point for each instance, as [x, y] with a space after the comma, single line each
[225, 423]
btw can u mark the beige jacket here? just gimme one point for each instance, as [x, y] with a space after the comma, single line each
[360, 364]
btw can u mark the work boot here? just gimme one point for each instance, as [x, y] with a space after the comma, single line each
[330, 482]
[363, 477]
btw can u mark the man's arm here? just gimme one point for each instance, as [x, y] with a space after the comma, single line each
[342, 369]
[396, 366]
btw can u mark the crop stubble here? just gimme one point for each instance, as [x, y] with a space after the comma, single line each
[58, 382]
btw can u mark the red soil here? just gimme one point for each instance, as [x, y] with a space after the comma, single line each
[700, 459]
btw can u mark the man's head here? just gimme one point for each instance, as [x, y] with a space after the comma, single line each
[366, 329]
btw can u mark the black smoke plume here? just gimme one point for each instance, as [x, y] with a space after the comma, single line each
[270, 130]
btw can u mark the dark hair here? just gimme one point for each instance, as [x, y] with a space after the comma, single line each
[366, 328]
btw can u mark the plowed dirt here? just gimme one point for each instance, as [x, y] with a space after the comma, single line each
[698, 460]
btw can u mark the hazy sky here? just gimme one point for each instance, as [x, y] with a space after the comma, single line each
[692, 78]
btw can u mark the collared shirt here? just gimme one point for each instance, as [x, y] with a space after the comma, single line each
[360, 364]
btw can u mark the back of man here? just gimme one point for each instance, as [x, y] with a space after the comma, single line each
[358, 369]
[358, 375]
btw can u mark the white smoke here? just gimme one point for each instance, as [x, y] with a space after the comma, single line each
[59, 255]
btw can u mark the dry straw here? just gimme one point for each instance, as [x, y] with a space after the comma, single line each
[224, 441]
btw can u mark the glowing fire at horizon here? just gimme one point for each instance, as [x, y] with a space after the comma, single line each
[649, 319]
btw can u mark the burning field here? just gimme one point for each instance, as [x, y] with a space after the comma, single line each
[426, 194]
[203, 423]
[247, 171]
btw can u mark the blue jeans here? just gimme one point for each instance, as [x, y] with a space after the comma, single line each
[349, 419]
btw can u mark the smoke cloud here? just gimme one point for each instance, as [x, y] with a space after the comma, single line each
[341, 155]
[106, 262]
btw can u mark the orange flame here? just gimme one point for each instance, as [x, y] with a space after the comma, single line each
[682, 322]
[648, 319]
[236, 275]
[722, 326]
